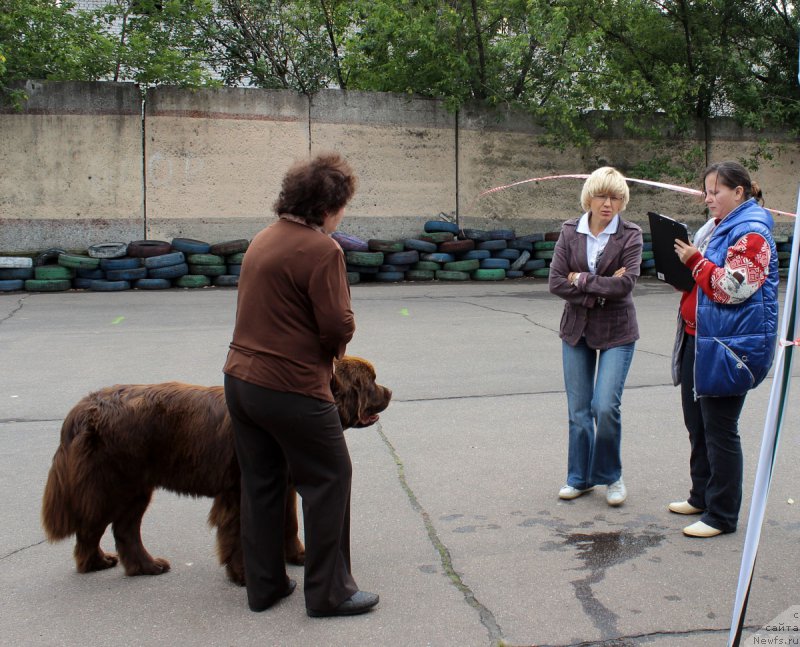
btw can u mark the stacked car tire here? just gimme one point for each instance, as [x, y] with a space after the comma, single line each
[141, 264]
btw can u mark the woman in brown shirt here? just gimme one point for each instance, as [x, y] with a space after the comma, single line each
[293, 317]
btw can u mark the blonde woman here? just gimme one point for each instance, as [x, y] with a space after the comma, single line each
[594, 269]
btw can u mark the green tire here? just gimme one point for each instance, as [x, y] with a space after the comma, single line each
[78, 261]
[48, 285]
[353, 278]
[192, 281]
[541, 273]
[370, 259]
[436, 236]
[462, 266]
[377, 245]
[420, 275]
[450, 275]
[545, 254]
[53, 273]
[235, 259]
[646, 256]
[205, 259]
[544, 244]
[489, 275]
[208, 270]
[426, 266]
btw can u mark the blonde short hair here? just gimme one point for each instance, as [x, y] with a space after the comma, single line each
[605, 180]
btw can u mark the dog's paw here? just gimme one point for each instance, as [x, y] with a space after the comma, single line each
[157, 566]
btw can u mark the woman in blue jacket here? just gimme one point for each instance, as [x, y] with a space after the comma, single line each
[727, 329]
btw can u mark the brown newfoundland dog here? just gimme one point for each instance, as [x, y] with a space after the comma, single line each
[120, 443]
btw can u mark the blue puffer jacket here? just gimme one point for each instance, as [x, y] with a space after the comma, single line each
[735, 343]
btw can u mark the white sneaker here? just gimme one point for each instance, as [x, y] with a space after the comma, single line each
[568, 492]
[616, 493]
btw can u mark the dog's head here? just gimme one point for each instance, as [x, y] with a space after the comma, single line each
[359, 397]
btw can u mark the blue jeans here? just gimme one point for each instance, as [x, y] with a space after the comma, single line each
[594, 380]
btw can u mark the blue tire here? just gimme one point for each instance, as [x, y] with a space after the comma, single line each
[441, 225]
[437, 257]
[152, 284]
[510, 254]
[234, 269]
[531, 238]
[495, 264]
[226, 281]
[164, 260]
[12, 273]
[169, 272]
[478, 254]
[534, 264]
[408, 257]
[390, 277]
[80, 283]
[420, 245]
[109, 286]
[11, 285]
[124, 263]
[475, 234]
[394, 268]
[493, 245]
[522, 245]
[126, 275]
[96, 274]
[514, 274]
[190, 246]
[502, 234]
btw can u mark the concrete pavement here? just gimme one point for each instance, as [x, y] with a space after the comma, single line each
[456, 522]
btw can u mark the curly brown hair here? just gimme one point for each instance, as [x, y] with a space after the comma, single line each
[315, 188]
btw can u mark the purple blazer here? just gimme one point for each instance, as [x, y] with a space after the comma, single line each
[601, 307]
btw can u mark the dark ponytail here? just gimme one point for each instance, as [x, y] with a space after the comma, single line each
[733, 174]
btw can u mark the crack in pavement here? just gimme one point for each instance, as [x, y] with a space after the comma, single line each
[15, 310]
[19, 550]
[634, 639]
[486, 616]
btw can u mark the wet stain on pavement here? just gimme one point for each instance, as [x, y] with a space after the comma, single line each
[598, 552]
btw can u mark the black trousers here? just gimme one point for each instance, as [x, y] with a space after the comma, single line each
[276, 434]
[716, 462]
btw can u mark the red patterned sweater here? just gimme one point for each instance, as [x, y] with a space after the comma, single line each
[744, 272]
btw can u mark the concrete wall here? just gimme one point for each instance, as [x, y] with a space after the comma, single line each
[82, 164]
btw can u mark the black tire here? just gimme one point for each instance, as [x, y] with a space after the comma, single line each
[193, 281]
[48, 285]
[48, 256]
[145, 248]
[235, 259]
[190, 246]
[407, 257]
[364, 269]
[95, 274]
[229, 247]
[389, 277]
[124, 263]
[164, 260]
[515, 274]
[109, 286]
[425, 246]
[530, 238]
[81, 283]
[108, 250]
[11, 285]
[234, 269]
[394, 268]
[522, 245]
[475, 234]
[126, 275]
[76, 261]
[53, 273]
[353, 278]
[226, 281]
[152, 284]
[169, 272]
[15, 273]
[552, 236]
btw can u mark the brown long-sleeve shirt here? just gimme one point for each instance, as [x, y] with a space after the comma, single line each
[293, 314]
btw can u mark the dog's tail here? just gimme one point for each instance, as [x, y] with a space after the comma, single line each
[59, 517]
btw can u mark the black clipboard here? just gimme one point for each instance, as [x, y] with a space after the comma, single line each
[669, 268]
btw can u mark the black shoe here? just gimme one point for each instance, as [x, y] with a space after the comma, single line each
[290, 587]
[359, 602]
